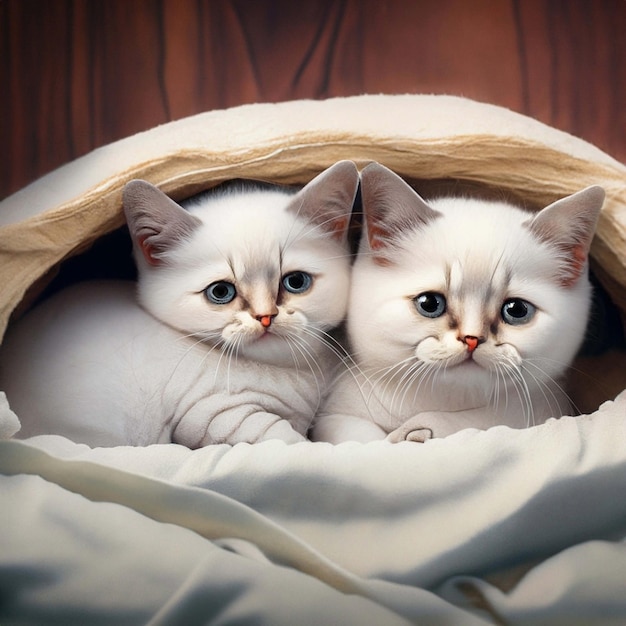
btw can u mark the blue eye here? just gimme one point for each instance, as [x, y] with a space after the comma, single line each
[517, 311]
[297, 282]
[430, 304]
[220, 292]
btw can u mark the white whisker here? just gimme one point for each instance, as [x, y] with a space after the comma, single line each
[523, 391]
[544, 381]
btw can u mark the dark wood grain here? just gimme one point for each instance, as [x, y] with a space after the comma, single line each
[77, 74]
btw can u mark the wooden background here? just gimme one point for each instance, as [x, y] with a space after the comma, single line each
[77, 74]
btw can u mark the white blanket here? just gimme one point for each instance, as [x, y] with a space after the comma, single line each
[502, 526]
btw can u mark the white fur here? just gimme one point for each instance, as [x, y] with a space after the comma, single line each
[251, 231]
[414, 377]
[94, 366]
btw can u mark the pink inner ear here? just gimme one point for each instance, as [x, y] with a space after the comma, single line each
[377, 236]
[576, 265]
[339, 226]
[148, 250]
[378, 240]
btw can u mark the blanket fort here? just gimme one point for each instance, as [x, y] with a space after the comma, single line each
[483, 527]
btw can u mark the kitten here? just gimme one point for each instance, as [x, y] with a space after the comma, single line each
[229, 340]
[462, 313]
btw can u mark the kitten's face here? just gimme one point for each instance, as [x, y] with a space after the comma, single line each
[252, 278]
[464, 294]
[263, 274]
[467, 294]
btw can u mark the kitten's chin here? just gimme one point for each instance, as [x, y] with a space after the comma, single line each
[467, 365]
[466, 373]
[470, 371]
[267, 348]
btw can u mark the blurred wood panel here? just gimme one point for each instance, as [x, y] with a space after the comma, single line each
[77, 74]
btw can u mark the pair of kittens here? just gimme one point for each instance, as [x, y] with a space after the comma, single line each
[459, 313]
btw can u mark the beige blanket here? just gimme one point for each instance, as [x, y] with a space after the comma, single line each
[421, 137]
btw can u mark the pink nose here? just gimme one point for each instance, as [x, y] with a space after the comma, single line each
[266, 320]
[470, 342]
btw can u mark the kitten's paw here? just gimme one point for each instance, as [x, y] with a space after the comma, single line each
[410, 432]
[420, 435]
[282, 429]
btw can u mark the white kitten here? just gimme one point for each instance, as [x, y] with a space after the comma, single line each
[230, 342]
[462, 313]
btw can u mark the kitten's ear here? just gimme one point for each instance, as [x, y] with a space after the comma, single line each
[328, 199]
[156, 223]
[391, 208]
[569, 225]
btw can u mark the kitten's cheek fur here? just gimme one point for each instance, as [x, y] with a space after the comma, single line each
[245, 329]
[432, 350]
[327, 311]
[258, 343]
[490, 356]
[451, 352]
[233, 330]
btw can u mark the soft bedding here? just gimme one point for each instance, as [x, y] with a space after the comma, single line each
[482, 527]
